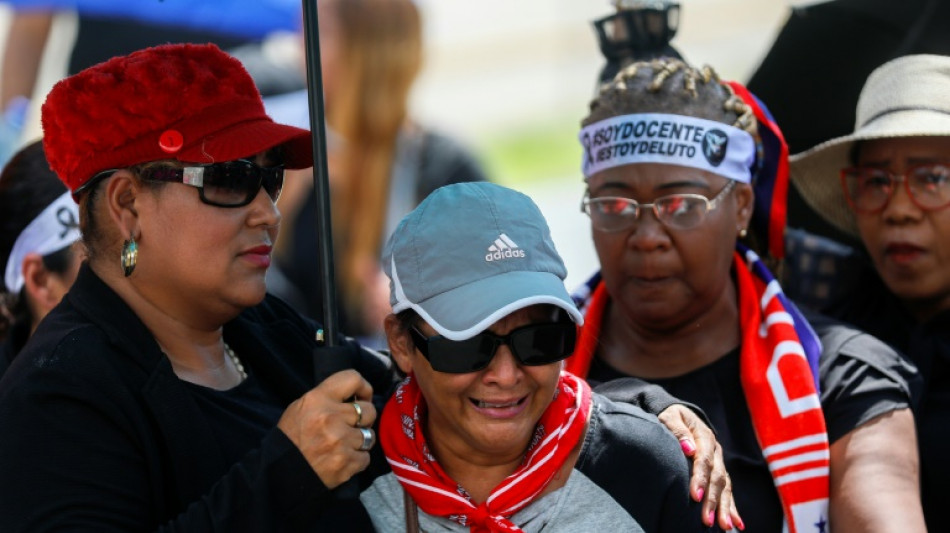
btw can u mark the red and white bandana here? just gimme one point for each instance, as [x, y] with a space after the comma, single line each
[402, 437]
[778, 352]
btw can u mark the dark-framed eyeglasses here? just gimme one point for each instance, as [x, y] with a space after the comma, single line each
[532, 345]
[676, 211]
[227, 184]
[868, 190]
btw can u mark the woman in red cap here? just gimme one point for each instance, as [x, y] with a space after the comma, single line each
[168, 390]
[150, 396]
[817, 429]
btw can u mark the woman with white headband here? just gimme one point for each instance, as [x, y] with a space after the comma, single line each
[39, 227]
[684, 175]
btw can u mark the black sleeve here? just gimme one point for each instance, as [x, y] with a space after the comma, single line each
[377, 367]
[84, 456]
[4, 360]
[651, 398]
[860, 377]
[639, 463]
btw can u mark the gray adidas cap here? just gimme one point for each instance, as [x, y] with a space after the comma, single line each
[471, 254]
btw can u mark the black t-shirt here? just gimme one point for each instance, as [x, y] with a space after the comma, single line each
[861, 378]
[716, 389]
[927, 344]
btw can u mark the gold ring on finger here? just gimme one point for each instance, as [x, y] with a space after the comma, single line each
[359, 414]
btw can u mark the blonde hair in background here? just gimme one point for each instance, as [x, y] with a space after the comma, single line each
[669, 85]
[380, 57]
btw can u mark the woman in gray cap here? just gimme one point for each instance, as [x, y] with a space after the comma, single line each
[487, 433]
[888, 183]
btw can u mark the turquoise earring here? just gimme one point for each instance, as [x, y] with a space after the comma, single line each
[130, 255]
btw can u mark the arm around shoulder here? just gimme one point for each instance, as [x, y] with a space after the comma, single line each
[638, 461]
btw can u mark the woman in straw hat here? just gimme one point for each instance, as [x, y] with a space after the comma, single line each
[685, 173]
[889, 184]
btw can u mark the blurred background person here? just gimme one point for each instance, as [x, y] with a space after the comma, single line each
[381, 162]
[39, 252]
[888, 184]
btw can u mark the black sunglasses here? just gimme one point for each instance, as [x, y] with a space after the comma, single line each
[227, 184]
[532, 345]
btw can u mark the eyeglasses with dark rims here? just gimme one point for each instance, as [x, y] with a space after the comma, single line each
[868, 190]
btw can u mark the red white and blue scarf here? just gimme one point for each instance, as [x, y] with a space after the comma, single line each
[769, 178]
[779, 351]
[403, 440]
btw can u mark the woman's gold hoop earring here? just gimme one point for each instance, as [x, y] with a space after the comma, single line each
[130, 255]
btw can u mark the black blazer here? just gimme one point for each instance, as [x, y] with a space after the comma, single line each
[97, 433]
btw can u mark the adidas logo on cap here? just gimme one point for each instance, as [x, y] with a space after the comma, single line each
[503, 248]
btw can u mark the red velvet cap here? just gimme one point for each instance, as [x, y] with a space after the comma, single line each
[193, 103]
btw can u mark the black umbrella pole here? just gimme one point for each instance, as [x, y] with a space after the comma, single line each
[325, 362]
[321, 185]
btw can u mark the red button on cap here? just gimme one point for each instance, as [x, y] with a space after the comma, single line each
[171, 141]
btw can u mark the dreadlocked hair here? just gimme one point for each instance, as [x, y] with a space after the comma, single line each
[671, 86]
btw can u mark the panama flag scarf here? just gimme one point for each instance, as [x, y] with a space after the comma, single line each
[770, 181]
[778, 351]
[778, 347]
[556, 434]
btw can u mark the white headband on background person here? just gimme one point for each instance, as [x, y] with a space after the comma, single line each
[668, 139]
[55, 228]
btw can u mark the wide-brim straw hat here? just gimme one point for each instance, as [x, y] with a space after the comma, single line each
[906, 97]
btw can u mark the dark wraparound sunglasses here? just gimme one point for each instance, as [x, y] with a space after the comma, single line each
[228, 184]
[532, 345]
